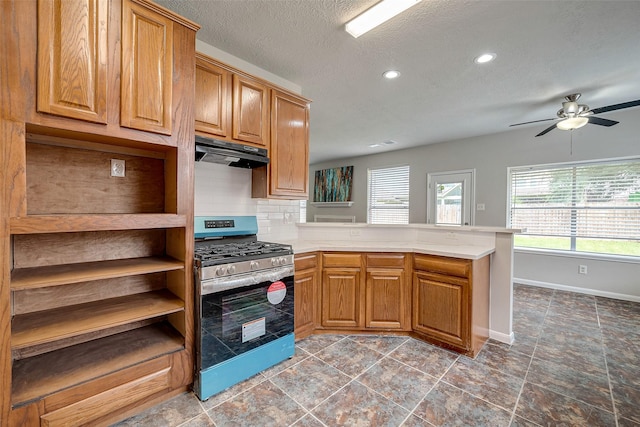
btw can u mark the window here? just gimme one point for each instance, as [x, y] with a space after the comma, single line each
[584, 207]
[388, 201]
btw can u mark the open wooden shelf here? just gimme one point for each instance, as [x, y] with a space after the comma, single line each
[39, 277]
[49, 326]
[42, 375]
[35, 224]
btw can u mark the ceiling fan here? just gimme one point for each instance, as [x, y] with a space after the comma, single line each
[573, 115]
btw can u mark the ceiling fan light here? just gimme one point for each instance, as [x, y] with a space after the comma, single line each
[572, 123]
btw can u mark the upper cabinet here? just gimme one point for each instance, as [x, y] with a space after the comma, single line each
[72, 52]
[250, 110]
[112, 67]
[230, 105]
[233, 106]
[213, 92]
[289, 146]
[147, 69]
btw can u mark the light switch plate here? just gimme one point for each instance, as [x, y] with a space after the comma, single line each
[117, 168]
[480, 206]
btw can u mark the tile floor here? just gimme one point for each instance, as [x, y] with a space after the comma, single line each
[575, 362]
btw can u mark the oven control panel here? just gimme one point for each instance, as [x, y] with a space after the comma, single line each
[219, 223]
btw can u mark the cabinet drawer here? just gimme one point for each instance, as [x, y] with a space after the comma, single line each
[450, 266]
[385, 260]
[341, 260]
[102, 404]
[305, 261]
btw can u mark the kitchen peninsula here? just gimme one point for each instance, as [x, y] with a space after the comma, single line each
[449, 285]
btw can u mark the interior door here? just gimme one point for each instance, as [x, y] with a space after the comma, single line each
[450, 198]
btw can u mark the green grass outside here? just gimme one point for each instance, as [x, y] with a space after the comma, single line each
[613, 247]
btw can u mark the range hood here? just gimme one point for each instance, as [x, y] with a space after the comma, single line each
[228, 153]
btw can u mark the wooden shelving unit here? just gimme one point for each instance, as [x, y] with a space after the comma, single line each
[44, 327]
[56, 275]
[42, 375]
[96, 301]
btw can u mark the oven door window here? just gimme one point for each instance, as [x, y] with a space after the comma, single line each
[239, 320]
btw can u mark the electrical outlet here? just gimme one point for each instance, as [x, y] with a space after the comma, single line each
[354, 232]
[117, 168]
[582, 269]
[480, 206]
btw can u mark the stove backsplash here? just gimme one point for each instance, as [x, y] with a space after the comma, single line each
[221, 190]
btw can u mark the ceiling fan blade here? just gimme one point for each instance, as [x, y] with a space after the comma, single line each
[602, 122]
[535, 121]
[616, 107]
[547, 130]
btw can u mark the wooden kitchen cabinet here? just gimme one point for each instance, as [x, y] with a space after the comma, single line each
[96, 312]
[147, 68]
[213, 98]
[111, 68]
[451, 301]
[230, 104]
[250, 111]
[342, 291]
[306, 294]
[287, 174]
[387, 292]
[72, 47]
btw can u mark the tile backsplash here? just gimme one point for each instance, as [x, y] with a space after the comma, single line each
[225, 190]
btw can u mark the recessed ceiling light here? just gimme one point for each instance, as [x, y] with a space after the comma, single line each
[391, 74]
[389, 142]
[374, 145]
[484, 58]
[376, 15]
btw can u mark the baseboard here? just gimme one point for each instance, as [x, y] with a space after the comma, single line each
[587, 291]
[502, 337]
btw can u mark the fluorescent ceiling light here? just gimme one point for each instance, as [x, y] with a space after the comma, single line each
[484, 58]
[376, 15]
[572, 123]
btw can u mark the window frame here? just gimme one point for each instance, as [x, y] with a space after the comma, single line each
[572, 252]
[371, 171]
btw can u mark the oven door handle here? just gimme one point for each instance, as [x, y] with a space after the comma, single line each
[220, 284]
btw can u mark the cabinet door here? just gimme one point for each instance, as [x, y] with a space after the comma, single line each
[147, 69]
[341, 297]
[441, 309]
[72, 55]
[250, 111]
[385, 299]
[213, 98]
[305, 297]
[289, 146]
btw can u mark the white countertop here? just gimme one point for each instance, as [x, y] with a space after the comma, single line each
[456, 251]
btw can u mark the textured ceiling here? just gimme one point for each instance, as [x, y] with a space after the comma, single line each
[546, 50]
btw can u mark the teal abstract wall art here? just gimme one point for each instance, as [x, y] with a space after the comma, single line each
[333, 185]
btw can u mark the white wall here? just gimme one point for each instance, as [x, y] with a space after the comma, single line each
[490, 156]
[224, 190]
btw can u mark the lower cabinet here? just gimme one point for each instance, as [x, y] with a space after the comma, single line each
[387, 292]
[366, 291]
[451, 301]
[342, 291]
[306, 294]
[438, 299]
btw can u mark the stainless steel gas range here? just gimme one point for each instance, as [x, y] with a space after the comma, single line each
[244, 302]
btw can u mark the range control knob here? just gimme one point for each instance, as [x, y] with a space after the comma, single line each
[220, 271]
[274, 261]
[254, 265]
[231, 269]
[282, 261]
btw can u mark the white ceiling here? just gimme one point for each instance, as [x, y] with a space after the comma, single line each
[546, 50]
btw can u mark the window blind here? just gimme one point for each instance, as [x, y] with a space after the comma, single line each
[593, 207]
[388, 195]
